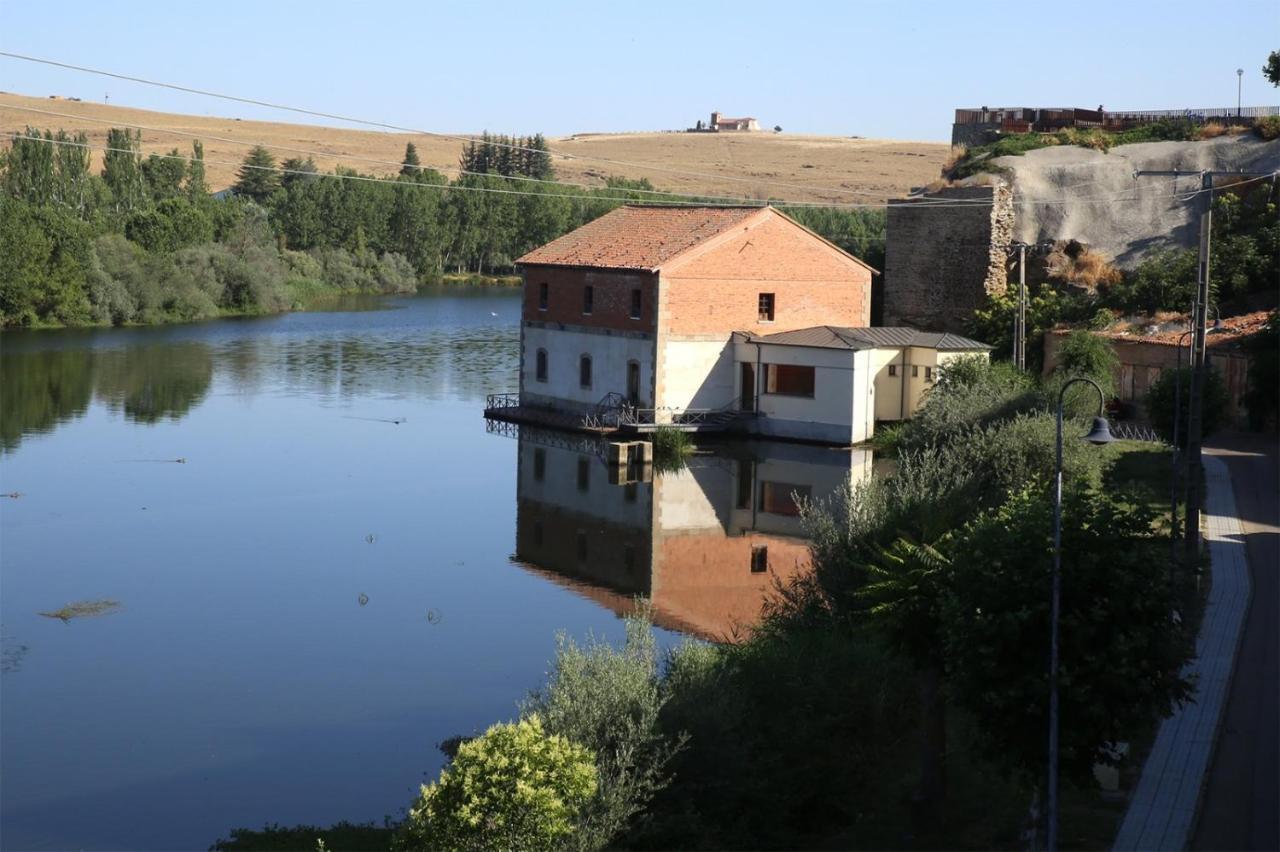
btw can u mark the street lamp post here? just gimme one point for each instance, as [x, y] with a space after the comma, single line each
[1239, 85]
[1099, 434]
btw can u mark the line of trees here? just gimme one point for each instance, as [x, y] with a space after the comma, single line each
[143, 240]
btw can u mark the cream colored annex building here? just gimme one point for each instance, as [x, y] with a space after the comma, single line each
[678, 309]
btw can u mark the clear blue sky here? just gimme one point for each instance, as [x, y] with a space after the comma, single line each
[892, 69]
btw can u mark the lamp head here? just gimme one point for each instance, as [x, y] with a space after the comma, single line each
[1100, 433]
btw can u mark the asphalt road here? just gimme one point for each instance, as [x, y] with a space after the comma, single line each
[1241, 804]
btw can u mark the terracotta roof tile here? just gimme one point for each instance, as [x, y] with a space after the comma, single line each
[832, 337]
[638, 237]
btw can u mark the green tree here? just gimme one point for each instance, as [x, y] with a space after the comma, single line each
[28, 167]
[196, 186]
[1272, 69]
[257, 178]
[515, 787]
[1160, 398]
[296, 169]
[122, 168]
[1082, 353]
[411, 164]
[1121, 650]
[164, 174]
[610, 700]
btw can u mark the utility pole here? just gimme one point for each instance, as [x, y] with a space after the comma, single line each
[1239, 85]
[1200, 318]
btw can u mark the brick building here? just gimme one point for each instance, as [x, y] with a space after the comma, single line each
[679, 309]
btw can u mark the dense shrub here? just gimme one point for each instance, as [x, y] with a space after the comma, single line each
[795, 736]
[1121, 654]
[515, 787]
[609, 700]
[1267, 127]
[968, 393]
[1082, 354]
[1160, 399]
[1264, 374]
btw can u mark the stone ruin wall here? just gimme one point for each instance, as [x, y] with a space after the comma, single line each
[941, 262]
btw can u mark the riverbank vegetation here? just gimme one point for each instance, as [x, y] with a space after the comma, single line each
[896, 696]
[144, 241]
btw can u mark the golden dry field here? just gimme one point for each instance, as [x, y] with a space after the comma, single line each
[748, 165]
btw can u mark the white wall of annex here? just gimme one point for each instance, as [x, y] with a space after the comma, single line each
[697, 374]
[609, 357]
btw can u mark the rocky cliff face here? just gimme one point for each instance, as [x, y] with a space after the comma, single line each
[1069, 193]
[942, 259]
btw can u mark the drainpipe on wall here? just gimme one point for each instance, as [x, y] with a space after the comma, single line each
[902, 394]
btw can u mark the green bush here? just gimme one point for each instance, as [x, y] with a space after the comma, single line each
[1160, 398]
[670, 446]
[1121, 654]
[1091, 356]
[1264, 374]
[515, 787]
[973, 395]
[609, 701]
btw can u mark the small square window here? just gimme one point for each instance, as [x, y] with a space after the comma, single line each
[539, 464]
[928, 374]
[584, 371]
[540, 367]
[635, 304]
[543, 296]
[759, 559]
[766, 307]
[915, 371]
[584, 474]
[893, 369]
[588, 299]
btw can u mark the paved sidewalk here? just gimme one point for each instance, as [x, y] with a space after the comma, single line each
[1163, 806]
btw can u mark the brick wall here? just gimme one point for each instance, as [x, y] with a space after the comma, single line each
[717, 291]
[611, 297]
[942, 262]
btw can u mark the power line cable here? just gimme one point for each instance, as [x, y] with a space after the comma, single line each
[358, 158]
[403, 129]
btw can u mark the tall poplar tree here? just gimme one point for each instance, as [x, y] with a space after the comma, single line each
[122, 167]
[196, 186]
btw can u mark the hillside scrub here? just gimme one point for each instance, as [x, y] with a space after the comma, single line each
[978, 159]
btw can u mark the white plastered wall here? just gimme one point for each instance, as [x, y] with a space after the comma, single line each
[697, 373]
[609, 356]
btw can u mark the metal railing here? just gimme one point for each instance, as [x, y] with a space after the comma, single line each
[496, 401]
[1128, 431]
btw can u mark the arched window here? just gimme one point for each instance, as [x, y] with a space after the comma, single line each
[540, 370]
[584, 371]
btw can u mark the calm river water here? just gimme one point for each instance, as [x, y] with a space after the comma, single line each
[325, 562]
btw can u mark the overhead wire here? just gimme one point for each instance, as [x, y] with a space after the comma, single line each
[602, 197]
[404, 129]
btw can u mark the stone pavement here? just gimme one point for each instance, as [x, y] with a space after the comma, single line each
[1163, 808]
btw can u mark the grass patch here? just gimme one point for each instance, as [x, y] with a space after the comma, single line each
[979, 159]
[82, 609]
[670, 447]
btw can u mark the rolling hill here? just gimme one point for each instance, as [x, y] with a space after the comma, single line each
[748, 165]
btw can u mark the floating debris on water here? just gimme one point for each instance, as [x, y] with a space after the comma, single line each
[396, 420]
[434, 616]
[82, 609]
[182, 460]
[14, 495]
[363, 599]
[371, 538]
[11, 654]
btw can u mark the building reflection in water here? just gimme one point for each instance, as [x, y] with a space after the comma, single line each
[705, 544]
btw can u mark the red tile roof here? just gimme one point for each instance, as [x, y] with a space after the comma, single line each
[640, 237]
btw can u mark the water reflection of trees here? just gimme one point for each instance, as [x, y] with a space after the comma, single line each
[154, 383]
[41, 389]
[164, 380]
